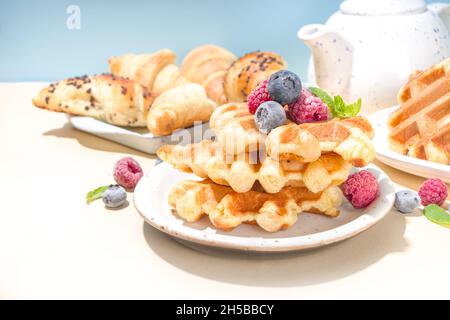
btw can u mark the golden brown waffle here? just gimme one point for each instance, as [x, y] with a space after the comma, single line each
[235, 129]
[228, 209]
[237, 133]
[420, 127]
[349, 138]
[206, 160]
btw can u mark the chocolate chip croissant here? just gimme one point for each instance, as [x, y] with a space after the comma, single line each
[248, 71]
[118, 101]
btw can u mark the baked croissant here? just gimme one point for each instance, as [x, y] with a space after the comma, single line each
[155, 71]
[168, 78]
[207, 65]
[105, 97]
[248, 71]
[179, 107]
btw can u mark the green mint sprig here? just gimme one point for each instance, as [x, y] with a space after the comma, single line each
[95, 194]
[436, 214]
[337, 105]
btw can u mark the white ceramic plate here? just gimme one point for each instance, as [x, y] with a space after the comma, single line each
[142, 141]
[310, 231]
[408, 164]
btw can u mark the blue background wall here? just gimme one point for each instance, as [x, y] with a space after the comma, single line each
[35, 43]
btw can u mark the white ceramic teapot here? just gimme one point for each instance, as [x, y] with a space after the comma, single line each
[369, 48]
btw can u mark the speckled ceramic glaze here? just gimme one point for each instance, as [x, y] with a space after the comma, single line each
[310, 230]
[369, 48]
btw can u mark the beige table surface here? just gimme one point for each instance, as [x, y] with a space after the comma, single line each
[53, 245]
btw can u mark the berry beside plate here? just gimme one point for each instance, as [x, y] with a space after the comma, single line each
[127, 173]
[432, 195]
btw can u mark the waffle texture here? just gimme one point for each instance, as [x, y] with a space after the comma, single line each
[420, 128]
[228, 209]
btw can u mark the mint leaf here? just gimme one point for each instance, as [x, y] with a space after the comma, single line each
[436, 214]
[337, 105]
[96, 194]
[354, 108]
[325, 97]
[342, 110]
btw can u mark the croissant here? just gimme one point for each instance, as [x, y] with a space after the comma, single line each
[155, 71]
[207, 65]
[248, 71]
[105, 97]
[179, 107]
[168, 78]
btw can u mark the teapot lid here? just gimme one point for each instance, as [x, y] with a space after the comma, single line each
[382, 7]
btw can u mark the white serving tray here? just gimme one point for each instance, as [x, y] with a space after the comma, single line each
[142, 141]
[423, 168]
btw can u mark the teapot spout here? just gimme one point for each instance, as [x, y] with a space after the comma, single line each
[313, 33]
[443, 10]
[332, 56]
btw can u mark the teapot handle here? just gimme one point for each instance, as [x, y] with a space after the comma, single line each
[443, 11]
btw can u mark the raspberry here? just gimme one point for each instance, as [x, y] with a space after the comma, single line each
[308, 108]
[258, 96]
[433, 191]
[127, 172]
[361, 189]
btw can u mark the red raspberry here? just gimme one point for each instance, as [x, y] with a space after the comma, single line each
[127, 172]
[308, 108]
[433, 191]
[361, 189]
[258, 96]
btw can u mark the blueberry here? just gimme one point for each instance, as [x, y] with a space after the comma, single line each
[406, 201]
[115, 196]
[284, 87]
[270, 115]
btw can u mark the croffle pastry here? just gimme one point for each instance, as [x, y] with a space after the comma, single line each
[248, 71]
[228, 209]
[420, 127]
[115, 100]
[207, 66]
[241, 173]
[179, 107]
[236, 133]
[235, 129]
[350, 138]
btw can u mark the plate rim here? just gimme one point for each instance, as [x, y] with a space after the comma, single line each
[383, 153]
[304, 242]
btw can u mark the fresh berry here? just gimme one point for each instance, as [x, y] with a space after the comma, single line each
[361, 189]
[308, 108]
[258, 96]
[127, 172]
[406, 201]
[284, 87]
[270, 115]
[433, 191]
[115, 196]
